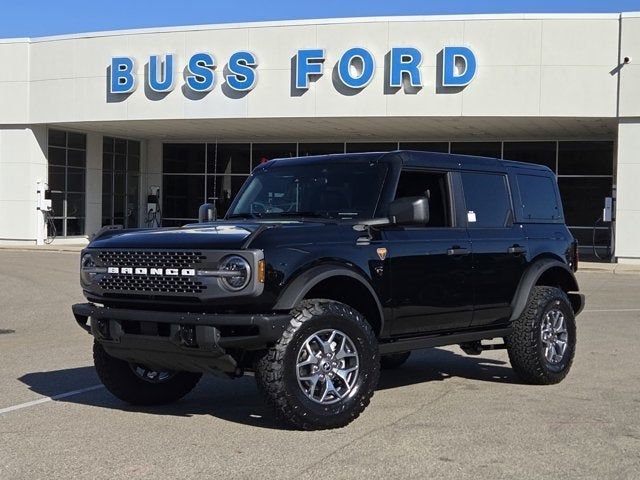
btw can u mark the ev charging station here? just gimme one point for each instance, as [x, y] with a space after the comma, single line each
[43, 205]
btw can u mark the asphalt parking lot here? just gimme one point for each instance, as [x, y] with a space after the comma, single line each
[443, 415]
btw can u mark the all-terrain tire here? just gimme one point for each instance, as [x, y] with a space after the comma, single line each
[119, 378]
[394, 360]
[525, 345]
[276, 370]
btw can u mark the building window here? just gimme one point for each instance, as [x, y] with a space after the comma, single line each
[120, 182]
[306, 149]
[67, 154]
[481, 149]
[228, 165]
[585, 178]
[195, 173]
[437, 147]
[371, 147]
[542, 153]
[262, 152]
[585, 158]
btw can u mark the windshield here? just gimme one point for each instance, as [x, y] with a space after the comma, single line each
[328, 190]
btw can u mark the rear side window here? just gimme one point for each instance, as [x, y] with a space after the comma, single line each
[487, 199]
[539, 199]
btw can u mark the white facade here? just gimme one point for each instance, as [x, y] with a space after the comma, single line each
[538, 77]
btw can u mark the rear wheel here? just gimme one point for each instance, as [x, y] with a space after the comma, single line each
[542, 345]
[139, 385]
[323, 371]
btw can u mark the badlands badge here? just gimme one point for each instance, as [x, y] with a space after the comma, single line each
[382, 253]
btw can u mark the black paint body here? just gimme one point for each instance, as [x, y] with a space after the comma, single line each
[420, 287]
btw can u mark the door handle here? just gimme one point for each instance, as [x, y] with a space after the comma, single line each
[517, 249]
[458, 251]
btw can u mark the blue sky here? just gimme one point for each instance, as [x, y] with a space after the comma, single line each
[33, 18]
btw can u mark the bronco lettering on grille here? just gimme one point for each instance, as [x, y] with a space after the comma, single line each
[170, 272]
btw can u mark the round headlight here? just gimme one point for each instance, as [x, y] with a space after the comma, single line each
[87, 261]
[239, 273]
[87, 268]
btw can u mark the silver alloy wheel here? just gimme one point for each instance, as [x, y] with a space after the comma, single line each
[149, 375]
[554, 335]
[327, 366]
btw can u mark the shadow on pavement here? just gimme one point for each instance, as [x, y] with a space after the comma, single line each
[238, 401]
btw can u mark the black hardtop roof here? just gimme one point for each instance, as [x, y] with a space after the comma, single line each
[414, 158]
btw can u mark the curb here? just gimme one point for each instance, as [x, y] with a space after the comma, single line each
[614, 268]
[57, 248]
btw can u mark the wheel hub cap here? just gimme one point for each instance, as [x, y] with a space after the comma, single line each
[554, 335]
[327, 366]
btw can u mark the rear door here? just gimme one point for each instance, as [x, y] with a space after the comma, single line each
[499, 246]
[429, 265]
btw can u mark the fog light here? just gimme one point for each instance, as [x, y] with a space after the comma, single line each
[102, 326]
[188, 335]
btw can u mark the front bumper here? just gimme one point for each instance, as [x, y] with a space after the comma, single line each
[577, 302]
[176, 340]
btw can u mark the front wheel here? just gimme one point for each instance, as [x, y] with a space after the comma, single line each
[323, 371]
[139, 385]
[543, 342]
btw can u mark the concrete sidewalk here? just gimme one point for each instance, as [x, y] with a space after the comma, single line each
[615, 268]
[60, 247]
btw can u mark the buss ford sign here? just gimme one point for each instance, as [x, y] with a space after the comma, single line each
[355, 68]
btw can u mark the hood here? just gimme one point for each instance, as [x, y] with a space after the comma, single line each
[210, 236]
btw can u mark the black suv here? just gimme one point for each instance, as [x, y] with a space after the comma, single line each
[326, 269]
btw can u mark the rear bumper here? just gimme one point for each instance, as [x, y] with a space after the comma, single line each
[177, 340]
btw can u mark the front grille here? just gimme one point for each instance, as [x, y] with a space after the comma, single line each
[150, 258]
[146, 284]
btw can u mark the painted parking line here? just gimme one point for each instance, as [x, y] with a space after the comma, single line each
[613, 310]
[20, 406]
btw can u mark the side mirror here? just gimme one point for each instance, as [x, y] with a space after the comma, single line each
[207, 213]
[409, 211]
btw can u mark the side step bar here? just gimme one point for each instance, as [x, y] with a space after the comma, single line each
[416, 343]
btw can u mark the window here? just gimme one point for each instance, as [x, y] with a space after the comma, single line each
[431, 185]
[487, 199]
[195, 173]
[371, 147]
[341, 190]
[542, 153]
[585, 158]
[583, 199]
[538, 195]
[67, 154]
[120, 182]
[228, 159]
[438, 147]
[262, 152]
[481, 149]
[305, 149]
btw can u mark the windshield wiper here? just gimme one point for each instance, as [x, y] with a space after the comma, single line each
[244, 215]
[297, 214]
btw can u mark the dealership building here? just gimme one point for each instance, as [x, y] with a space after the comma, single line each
[105, 119]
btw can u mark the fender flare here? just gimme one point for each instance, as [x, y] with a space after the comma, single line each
[295, 292]
[531, 277]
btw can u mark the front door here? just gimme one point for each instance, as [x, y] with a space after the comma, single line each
[430, 265]
[431, 284]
